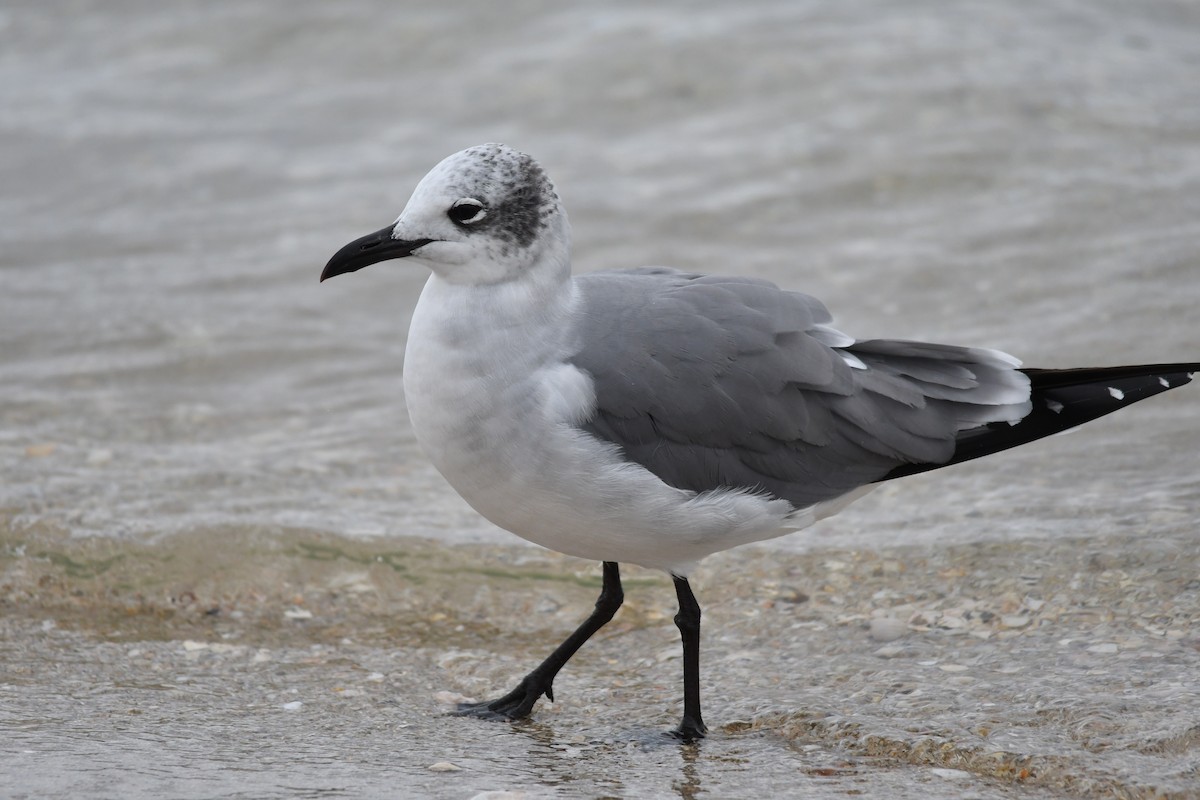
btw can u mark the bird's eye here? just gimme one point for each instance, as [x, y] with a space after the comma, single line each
[467, 211]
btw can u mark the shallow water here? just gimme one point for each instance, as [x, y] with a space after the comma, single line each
[1026, 178]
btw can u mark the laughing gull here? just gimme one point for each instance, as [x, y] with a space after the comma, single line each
[655, 416]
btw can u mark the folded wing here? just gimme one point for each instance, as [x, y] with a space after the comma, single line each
[745, 386]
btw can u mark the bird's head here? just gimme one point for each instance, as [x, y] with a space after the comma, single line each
[483, 216]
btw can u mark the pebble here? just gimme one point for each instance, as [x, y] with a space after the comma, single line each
[887, 629]
[547, 605]
[951, 774]
[1105, 648]
[354, 583]
[451, 698]
[444, 766]
[1014, 621]
[295, 705]
[297, 613]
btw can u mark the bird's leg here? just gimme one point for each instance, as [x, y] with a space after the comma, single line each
[520, 701]
[691, 727]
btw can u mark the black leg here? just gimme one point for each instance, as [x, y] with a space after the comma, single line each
[687, 620]
[519, 702]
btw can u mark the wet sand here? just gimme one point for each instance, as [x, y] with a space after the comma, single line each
[317, 665]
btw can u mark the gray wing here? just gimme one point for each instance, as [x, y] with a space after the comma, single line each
[713, 382]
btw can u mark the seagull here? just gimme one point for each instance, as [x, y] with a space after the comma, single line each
[655, 417]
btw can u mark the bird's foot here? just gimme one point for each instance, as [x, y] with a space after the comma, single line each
[690, 730]
[515, 705]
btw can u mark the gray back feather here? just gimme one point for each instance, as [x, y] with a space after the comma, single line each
[712, 382]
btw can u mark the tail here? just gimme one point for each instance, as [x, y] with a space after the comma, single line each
[1062, 399]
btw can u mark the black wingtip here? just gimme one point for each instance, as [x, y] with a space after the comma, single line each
[1063, 399]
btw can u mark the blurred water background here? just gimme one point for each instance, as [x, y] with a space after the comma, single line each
[1019, 176]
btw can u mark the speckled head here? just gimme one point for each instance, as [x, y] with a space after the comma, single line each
[518, 199]
[485, 215]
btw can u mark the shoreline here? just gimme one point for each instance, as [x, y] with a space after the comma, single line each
[1065, 665]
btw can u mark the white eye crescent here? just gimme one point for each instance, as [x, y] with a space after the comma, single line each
[467, 211]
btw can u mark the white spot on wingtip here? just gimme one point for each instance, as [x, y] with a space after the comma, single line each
[1116, 393]
[1054, 406]
[1165, 382]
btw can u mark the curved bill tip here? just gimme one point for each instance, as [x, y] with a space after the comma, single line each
[368, 250]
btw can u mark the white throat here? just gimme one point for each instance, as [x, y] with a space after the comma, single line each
[475, 353]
